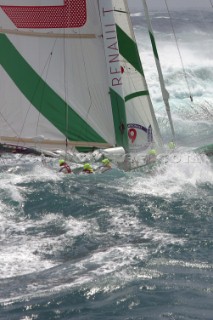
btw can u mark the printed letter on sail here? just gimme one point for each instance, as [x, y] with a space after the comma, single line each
[114, 71]
[111, 46]
[72, 14]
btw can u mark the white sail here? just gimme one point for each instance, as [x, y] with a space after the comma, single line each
[57, 71]
[55, 75]
[142, 126]
[126, 76]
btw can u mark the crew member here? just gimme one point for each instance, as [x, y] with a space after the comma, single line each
[152, 156]
[171, 145]
[87, 168]
[106, 165]
[65, 168]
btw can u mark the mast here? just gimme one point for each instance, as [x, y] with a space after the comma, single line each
[164, 91]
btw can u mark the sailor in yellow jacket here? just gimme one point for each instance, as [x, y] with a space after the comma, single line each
[106, 165]
[87, 168]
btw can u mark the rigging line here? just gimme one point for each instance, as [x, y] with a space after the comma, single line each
[39, 113]
[124, 62]
[16, 133]
[128, 70]
[123, 124]
[129, 20]
[86, 76]
[48, 65]
[65, 94]
[132, 82]
[49, 57]
[181, 59]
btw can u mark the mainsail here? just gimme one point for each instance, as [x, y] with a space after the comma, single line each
[71, 75]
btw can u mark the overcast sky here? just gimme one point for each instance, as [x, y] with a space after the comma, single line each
[173, 4]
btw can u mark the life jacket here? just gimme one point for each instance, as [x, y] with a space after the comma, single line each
[66, 167]
[88, 171]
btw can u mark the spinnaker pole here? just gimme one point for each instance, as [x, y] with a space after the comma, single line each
[164, 91]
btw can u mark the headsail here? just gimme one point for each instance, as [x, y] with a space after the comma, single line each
[55, 77]
[143, 130]
[129, 81]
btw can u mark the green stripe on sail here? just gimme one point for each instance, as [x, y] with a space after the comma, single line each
[42, 97]
[119, 116]
[128, 49]
[136, 94]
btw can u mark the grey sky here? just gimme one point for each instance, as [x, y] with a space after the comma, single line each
[173, 4]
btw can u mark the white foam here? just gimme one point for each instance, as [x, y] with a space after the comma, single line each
[8, 187]
[176, 172]
[77, 227]
[187, 69]
[40, 173]
[124, 224]
[18, 170]
[23, 251]
[180, 263]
